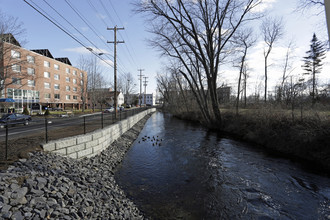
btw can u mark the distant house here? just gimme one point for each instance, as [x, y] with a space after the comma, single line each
[148, 99]
[224, 94]
[103, 98]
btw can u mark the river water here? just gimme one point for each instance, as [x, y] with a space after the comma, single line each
[178, 170]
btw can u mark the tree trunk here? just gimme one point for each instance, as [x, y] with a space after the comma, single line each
[265, 97]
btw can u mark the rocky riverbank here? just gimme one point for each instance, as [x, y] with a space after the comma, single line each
[48, 186]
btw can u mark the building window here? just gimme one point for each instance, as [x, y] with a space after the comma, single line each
[74, 81]
[74, 72]
[15, 54]
[81, 82]
[75, 89]
[75, 97]
[30, 59]
[56, 86]
[67, 97]
[16, 81]
[16, 68]
[67, 79]
[81, 75]
[10, 93]
[47, 85]
[57, 67]
[67, 88]
[46, 74]
[57, 96]
[31, 82]
[47, 96]
[56, 77]
[46, 64]
[30, 71]
[67, 70]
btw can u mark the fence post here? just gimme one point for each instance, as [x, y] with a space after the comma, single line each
[102, 119]
[84, 124]
[46, 127]
[7, 141]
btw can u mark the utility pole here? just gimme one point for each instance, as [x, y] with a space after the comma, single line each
[115, 42]
[145, 90]
[140, 99]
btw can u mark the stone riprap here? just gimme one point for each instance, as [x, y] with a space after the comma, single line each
[49, 186]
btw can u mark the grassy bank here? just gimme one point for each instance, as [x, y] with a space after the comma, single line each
[306, 139]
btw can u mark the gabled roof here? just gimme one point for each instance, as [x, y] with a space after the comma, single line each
[9, 38]
[44, 52]
[64, 60]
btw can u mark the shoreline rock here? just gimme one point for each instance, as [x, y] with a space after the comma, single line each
[48, 186]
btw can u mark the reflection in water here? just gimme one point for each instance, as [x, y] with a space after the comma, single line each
[195, 174]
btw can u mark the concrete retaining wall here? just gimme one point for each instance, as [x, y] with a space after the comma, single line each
[93, 143]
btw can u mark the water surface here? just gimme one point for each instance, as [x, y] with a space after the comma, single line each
[178, 170]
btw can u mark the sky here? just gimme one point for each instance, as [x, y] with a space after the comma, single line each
[88, 20]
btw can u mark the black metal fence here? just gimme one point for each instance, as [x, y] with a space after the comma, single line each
[51, 128]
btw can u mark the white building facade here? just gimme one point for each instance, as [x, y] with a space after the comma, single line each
[148, 99]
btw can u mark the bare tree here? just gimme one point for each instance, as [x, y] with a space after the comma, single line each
[196, 34]
[307, 4]
[244, 40]
[272, 30]
[96, 81]
[287, 68]
[11, 39]
[127, 84]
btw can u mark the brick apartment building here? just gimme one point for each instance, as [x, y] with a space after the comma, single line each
[35, 78]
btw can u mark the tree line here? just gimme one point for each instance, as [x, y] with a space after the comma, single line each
[198, 38]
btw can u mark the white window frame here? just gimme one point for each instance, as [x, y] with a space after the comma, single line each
[67, 79]
[16, 81]
[67, 88]
[59, 96]
[47, 74]
[31, 83]
[56, 86]
[48, 95]
[67, 70]
[56, 66]
[46, 85]
[46, 64]
[67, 97]
[56, 77]
[31, 71]
[74, 81]
[16, 68]
[30, 59]
[15, 54]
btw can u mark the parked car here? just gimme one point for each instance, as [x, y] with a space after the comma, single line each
[108, 110]
[55, 109]
[120, 108]
[13, 119]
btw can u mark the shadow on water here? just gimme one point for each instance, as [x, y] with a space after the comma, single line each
[178, 170]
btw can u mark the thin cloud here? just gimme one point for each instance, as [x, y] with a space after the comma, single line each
[263, 6]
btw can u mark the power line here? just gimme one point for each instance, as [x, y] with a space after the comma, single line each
[71, 25]
[85, 21]
[66, 32]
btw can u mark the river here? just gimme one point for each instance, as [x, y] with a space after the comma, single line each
[179, 170]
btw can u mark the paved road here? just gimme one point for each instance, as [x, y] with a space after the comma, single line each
[37, 125]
